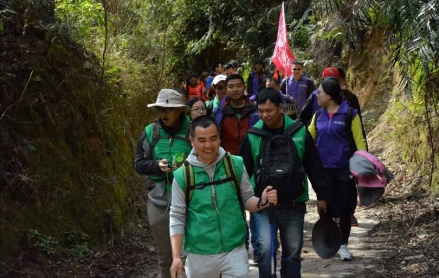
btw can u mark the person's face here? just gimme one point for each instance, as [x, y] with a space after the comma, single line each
[220, 89]
[198, 109]
[219, 69]
[235, 89]
[272, 84]
[193, 81]
[297, 71]
[206, 142]
[229, 71]
[259, 68]
[323, 99]
[170, 116]
[271, 114]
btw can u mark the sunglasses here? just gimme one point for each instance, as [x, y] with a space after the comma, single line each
[297, 69]
[165, 110]
[220, 88]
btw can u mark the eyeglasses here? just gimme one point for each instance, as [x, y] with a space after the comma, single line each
[165, 110]
[297, 69]
[200, 109]
[220, 88]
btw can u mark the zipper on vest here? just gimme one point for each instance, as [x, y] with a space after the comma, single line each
[215, 204]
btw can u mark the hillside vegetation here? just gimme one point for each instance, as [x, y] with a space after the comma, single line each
[76, 77]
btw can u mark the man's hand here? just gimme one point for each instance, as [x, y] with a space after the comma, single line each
[321, 207]
[177, 268]
[163, 165]
[269, 194]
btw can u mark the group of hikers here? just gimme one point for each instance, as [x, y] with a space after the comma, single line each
[230, 137]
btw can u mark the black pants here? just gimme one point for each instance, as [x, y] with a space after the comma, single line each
[341, 199]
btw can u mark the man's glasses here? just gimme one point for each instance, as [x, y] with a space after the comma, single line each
[220, 88]
[165, 110]
[200, 109]
[297, 69]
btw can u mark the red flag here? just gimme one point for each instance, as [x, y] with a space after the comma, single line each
[282, 55]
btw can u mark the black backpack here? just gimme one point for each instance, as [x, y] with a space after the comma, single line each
[279, 164]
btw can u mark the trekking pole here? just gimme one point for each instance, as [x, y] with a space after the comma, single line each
[272, 235]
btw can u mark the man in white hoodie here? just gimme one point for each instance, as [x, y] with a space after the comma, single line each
[210, 218]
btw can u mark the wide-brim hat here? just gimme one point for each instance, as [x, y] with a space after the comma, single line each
[170, 98]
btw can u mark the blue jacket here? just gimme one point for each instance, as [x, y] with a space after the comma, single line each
[333, 141]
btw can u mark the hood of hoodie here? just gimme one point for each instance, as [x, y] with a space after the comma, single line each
[210, 168]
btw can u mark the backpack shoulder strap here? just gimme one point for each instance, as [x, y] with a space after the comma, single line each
[156, 134]
[188, 173]
[348, 119]
[231, 173]
[289, 132]
[316, 116]
[258, 131]
[293, 128]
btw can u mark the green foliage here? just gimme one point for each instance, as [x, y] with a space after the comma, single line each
[86, 18]
[46, 243]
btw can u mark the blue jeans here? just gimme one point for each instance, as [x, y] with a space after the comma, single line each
[253, 231]
[289, 221]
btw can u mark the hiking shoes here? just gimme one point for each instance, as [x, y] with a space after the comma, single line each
[354, 222]
[344, 253]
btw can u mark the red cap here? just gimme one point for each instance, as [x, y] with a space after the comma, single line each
[330, 72]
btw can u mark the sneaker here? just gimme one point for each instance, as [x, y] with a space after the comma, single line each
[344, 253]
[354, 221]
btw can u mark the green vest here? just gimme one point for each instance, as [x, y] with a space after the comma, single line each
[168, 146]
[207, 232]
[299, 140]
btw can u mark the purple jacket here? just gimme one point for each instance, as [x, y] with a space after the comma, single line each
[333, 140]
[299, 90]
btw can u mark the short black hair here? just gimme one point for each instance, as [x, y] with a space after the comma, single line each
[228, 66]
[270, 94]
[259, 61]
[203, 122]
[333, 89]
[296, 62]
[215, 65]
[234, 76]
[272, 79]
[234, 63]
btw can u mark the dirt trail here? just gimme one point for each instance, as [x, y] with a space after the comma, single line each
[314, 266]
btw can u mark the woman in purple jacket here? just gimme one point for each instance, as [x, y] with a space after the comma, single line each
[336, 144]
